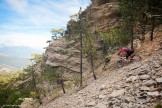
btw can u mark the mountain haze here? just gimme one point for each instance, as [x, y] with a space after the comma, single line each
[19, 51]
[16, 56]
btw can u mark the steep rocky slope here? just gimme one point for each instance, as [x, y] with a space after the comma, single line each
[133, 86]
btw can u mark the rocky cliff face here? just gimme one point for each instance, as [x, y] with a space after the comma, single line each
[64, 53]
[102, 15]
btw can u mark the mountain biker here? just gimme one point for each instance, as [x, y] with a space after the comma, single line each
[128, 52]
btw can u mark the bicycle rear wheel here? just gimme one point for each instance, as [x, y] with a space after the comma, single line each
[136, 58]
[120, 64]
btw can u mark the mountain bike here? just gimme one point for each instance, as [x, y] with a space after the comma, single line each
[123, 62]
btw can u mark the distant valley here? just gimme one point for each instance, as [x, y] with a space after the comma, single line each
[16, 56]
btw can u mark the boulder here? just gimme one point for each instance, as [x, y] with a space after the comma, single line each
[144, 77]
[132, 79]
[100, 105]
[90, 104]
[143, 71]
[156, 65]
[101, 96]
[102, 87]
[144, 88]
[159, 80]
[117, 93]
[149, 83]
[156, 93]
[135, 67]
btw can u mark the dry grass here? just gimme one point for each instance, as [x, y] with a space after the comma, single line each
[149, 47]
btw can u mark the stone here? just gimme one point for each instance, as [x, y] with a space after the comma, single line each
[143, 71]
[123, 86]
[84, 94]
[28, 99]
[90, 104]
[148, 100]
[130, 105]
[105, 92]
[132, 79]
[137, 106]
[142, 101]
[137, 85]
[28, 103]
[156, 93]
[130, 74]
[149, 83]
[110, 103]
[144, 77]
[153, 77]
[118, 103]
[127, 99]
[142, 95]
[159, 80]
[135, 67]
[156, 65]
[144, 66]
[102, 87]
[100, 105]
[159, 73]
[124, 105]
[25, 105]
[117, 93]
[79, 97]
[144, 88]
[101, 96]
[153, 89]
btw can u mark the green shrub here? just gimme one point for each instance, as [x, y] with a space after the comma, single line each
[10, 95]
[115, 37]
[158, 105]
[68, 85]
[160, 63]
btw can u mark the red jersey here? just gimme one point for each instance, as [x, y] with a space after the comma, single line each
[124, 50]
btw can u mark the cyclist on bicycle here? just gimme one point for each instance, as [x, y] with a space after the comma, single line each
[128, 52]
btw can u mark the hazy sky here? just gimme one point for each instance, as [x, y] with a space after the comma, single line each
[28, 22]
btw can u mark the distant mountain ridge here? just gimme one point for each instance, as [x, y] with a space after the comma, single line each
[6, 68]
[19, 51]
[17, 62]
[16, 56]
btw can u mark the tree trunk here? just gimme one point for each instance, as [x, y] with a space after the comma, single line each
[81, 56]
[62, 85]
[143, 27]
[153, 27]
[34, 86]
[132, 21]
[92, 66]
[60, 81]
[131, 37]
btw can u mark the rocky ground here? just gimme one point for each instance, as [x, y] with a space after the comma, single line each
[137, 85]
